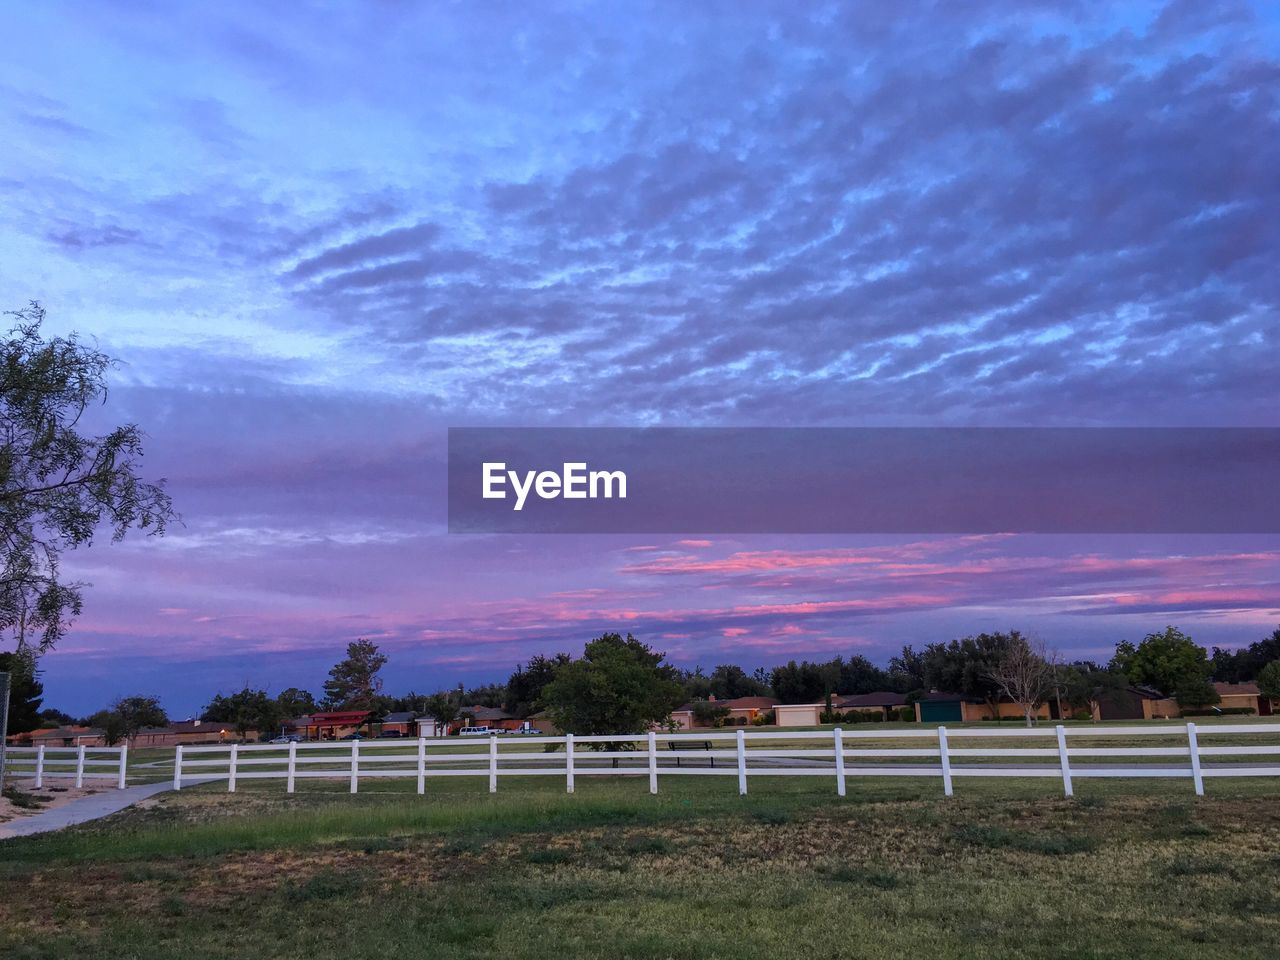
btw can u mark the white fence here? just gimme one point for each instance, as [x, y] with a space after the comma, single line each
[836, 754]
[83, 763]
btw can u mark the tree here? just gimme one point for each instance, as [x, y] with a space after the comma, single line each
[25, 690]
[1196, 693]
[1085, 684]
[524, 688]
[1167, 661]
[804, 682]
[1240, 666]
[729, 682]
[1269, 680]
[127, 716]
[966, 666]
[246, 710]
[618, 686]
[58, 486]
[908, 669]
[860, 675]
[709, 713]
[1025, 674]
[353, 682]
[443, 708]
[295, 702]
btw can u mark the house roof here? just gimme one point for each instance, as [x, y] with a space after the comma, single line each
[880, 698]
[340, 717]
[59, 733]
[189, 726]
[1236, 689]
[402, 716]
[486, 713]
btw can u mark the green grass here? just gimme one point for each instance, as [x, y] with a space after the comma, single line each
[1004, 868]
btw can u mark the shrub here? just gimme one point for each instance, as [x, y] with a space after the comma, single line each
[1082, 714]
[907, 714]
[853, 716]
[875, 716]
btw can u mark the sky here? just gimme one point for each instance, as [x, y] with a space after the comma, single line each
[318, 235]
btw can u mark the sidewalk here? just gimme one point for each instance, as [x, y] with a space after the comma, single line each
[81, 810]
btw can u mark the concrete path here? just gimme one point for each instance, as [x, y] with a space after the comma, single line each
[81, 810]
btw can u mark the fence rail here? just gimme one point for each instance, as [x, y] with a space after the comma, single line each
[834, 754]
[82, 763]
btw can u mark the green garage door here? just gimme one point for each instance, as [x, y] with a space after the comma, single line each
[944, 711]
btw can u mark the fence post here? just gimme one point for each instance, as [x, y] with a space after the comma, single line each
[422, 765]
[742, 763]
[293, 767]
[40, 766]
[1194, 745]
[493, 764]
[80, 767]
[231, 768]
[653, 762]
[838, 734]
[568, 763]
[1064, 760]
[124, 763]
[177, 768]
[355, 765]
[946, 760]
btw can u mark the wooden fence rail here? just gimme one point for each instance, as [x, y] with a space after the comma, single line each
[43, 763]
[745, 754]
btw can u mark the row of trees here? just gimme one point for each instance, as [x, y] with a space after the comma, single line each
[621, 685]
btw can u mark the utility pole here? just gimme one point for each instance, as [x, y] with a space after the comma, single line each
[4, 722]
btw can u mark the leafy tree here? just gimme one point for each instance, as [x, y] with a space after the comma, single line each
[58, 486]
[708, 713]
[1085, 684]
[1195, 693]
[111, 724]
[127, 716]
[295, 702]
[487, 695]
[804, 682]
[1269, 680]
[443, 707]
[967, 666]
[51, 716]
[1167, 661]
[729, 682]
[908, 670]
[524, 688]
[246, 710]
[1240, 666]
[25, 690]
[617, 686]
[353, 682]
[860, 675]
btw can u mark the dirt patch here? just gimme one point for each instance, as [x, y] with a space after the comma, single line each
[48, 797]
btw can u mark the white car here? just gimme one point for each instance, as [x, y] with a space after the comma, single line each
[476, 731]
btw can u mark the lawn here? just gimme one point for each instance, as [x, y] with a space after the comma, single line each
[1004, 868]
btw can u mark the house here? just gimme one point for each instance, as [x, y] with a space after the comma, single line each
[797, 714]
[430, 727]
[72, 736]
[884, 702]
[403, 723]
[333, 725]
[493, 717]
[940, 706]
[741, 711]
[1245, 696]
[1134, 703]
[189, 732]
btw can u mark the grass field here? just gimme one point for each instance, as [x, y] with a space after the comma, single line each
[1003, 869]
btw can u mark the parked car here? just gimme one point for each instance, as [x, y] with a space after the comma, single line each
[525, 729]
[390, 733]
[286, 738]
[353, 736]
[476, 731]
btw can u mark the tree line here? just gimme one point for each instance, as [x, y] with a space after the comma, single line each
[620, 685]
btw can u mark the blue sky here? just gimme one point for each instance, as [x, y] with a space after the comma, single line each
[317, 235]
